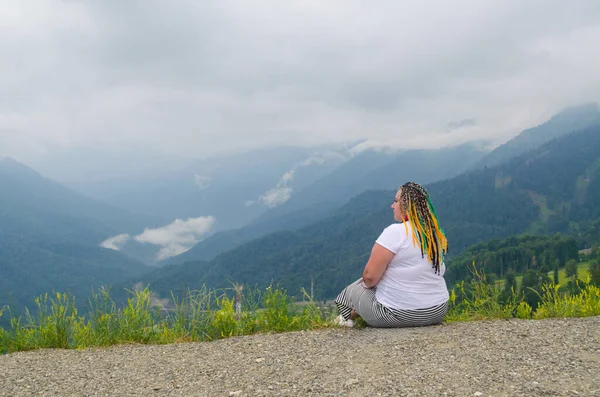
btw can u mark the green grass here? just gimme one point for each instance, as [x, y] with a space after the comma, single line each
[207, 315]
[198, 316]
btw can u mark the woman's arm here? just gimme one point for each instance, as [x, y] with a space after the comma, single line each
[378, 262]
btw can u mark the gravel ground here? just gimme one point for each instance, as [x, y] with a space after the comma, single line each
[498, 358]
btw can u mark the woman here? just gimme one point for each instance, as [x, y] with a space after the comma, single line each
[402, 284]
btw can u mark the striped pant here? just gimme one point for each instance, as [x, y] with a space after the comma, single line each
[363, 301]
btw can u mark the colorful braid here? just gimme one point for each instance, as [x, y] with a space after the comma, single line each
[426, 230]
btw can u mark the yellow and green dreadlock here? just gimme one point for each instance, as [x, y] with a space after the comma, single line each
[426, 230]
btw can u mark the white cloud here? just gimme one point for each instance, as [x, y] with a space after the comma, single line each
[378, 146]
[116, 242]
[178, 236]
[283, 192]
[202, 181]
[276, 196]
[287, 177]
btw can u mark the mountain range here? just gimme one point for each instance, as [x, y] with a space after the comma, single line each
[547, 190]
[328, 211]
[372, 170]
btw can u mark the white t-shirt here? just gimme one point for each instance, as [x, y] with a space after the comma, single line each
[410, 281]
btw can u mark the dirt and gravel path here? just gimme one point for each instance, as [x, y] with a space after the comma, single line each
[497, 358]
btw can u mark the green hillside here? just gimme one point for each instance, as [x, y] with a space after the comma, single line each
[30, 267]
[50, 236]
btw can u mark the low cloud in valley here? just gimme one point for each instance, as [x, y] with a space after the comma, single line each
[116, 242]
[178, 236]
[173, 239]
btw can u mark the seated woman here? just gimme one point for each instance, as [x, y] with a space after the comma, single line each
[402, 284]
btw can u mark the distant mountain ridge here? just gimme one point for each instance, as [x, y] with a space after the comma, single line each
[568, 120]
[381, 170]
[369, 170]
[24, 187]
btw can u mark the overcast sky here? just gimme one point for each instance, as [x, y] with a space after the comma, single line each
[193, 78]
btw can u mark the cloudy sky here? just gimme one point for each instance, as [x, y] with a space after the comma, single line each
[192, 78]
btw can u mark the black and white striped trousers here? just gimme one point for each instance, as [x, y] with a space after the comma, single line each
[363, 300]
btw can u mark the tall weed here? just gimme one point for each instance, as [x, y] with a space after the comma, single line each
[481, 301]
[54, 324]
[138, 322]
[191, 316]
[102, 327]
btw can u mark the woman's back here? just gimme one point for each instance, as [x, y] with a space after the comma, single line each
[410, 280]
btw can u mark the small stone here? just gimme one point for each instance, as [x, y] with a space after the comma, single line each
[259, 360]
[478, 394]
[352, 381]
[235, 393]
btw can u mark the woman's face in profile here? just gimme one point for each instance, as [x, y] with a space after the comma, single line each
[398, 207]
